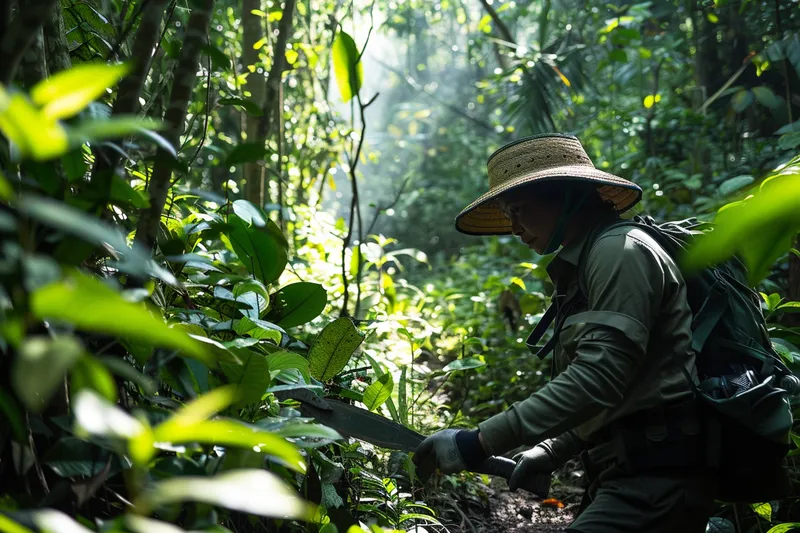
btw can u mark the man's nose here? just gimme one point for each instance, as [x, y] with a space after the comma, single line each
[516, 228]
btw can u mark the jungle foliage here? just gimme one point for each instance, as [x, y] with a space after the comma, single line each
[208, 202]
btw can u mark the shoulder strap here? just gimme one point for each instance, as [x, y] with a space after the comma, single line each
[539, 331]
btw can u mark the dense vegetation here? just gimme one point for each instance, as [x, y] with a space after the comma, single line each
[205, 203]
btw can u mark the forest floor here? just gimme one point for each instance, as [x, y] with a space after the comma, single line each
[521, 512]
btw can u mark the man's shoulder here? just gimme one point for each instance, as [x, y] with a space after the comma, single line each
[625, 239]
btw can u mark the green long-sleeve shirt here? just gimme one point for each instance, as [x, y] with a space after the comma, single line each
[618, 353]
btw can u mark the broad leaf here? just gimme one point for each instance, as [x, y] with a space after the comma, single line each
[118, 127]
[380, 391]
[252, 377]
[40, 367]
[785, 527]
[766, 97]
[333, 348]
[228, 432]
[91, 305]
[284, 360]
[96, 416]
[250, 491]
[297, 304]
[89, 373]
[248, 212]
[34, 135]
[347, 66]
[68, 92]
[732, 185]
[258, 249]
[52, 521]
[741, 100]
[252, 108]
[73, 457]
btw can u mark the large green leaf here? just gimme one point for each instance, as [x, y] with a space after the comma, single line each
[258, 249]
[68, 92]
[73, 457]
[333, 348]
[759, 228]
[252, 376]
[347, 66]
[466, 363]
[297, 304]
[732, 185]
[380, 391]
[34, 135]
[766, 97]
[785, 527]
[91, 305]
[228, 432]
[284, 360]
[250, 491]
[118, 127]
[40, 367]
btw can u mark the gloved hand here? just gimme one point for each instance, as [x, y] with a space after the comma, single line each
[536, 463]
[449, 450]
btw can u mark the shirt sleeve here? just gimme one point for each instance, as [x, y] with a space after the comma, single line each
[625, 280]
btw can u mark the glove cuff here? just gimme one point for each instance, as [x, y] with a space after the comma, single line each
[470, 448]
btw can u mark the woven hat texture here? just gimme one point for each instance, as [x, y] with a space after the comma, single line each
[537, 159]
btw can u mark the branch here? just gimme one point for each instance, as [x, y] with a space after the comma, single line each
[128, 93]
[175, 117]
[21, 33]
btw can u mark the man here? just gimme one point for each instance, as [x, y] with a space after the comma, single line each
[619, 394]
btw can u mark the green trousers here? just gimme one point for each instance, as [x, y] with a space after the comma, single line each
[668, 501]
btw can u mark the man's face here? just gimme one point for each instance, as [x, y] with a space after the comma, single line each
[532, 220]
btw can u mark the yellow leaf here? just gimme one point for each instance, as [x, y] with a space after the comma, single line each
[423, 113]
[275, 16]
[258, 13]
[291, 56]
[651, 99]
[712, 18]
[68, 92]
[394, 131]
[413, 127]
[36, 136]
[563, 78]
[260, 43]
[347, 66]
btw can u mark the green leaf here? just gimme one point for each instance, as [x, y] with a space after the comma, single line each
[732, 185]
[297, 304]
[347, 66]
[124, 195]
[464, 364]
[402, 402]
[9, 526]
[252, 377]
[238, 490]
[252, 108]
[249, 213]
[73, 457]
[284, 360]
[96, 416]
[34, 135]
[91, 305]
[741, 100]
[619, 55]
[380, 391]
[89, 373]
[790, 307]
[93, 131]
[52, 521]
[218, 57]
[764, 510]
[68, 92]
[246, 153]
[785, 527]
[74, 164]
[333, 348]
[258, 249]
[40, 367]
[766, 97]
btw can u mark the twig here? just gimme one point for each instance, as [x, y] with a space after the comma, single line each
[728, 83]
[36, 464]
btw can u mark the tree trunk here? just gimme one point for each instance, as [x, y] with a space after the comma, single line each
[34, 67]
[253, 32]
[276, 70]
[22, 31]
[55, 42]
[175, 117]
[129, 91]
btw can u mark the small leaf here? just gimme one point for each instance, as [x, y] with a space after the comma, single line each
[380, 391]
[297, 304]
[741, 100]
[91, 305]
[40, 367]
[68, 92]
[764, 510]
[333, 348]
[464, 364]
[89, 373]
[252, 108]
[766, 97]
[651, 99]
[347, 66]
[732, 185]
[238, 490]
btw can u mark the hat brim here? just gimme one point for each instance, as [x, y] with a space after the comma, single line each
[484, 216]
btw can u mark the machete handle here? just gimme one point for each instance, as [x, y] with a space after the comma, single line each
[537, 483]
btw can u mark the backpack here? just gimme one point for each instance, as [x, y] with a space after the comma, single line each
[744, 386]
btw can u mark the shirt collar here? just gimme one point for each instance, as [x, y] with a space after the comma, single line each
[569, 255]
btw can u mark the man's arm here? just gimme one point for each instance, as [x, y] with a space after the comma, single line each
[625, 281]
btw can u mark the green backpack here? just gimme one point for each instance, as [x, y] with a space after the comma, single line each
[744, 386]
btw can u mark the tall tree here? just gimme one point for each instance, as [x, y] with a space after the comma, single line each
[252, 41]
[175, 117]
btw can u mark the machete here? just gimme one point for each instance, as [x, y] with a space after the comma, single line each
[352, 421]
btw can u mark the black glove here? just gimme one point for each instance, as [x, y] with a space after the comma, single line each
[451, 451]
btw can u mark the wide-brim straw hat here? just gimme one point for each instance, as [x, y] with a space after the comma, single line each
[552, 156]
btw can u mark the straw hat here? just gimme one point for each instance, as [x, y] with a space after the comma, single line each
[552, 156]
